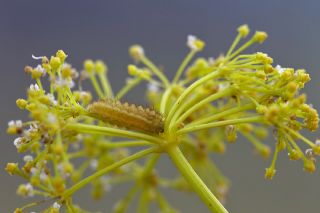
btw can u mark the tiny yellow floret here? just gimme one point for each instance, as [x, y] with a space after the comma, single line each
[243, 30]
[101, 67]
[62, 55]
[136, 52]
[11, 168]
[88, 65]
[269, 174]
[260, 36]
[55, 62]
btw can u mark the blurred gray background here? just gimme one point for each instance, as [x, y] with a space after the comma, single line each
[105, 29]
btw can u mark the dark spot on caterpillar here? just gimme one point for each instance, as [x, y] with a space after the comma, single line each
[127, 115]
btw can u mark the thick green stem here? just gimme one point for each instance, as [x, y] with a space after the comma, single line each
[194, 180]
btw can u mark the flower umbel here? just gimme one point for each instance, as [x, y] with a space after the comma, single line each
[208, 102]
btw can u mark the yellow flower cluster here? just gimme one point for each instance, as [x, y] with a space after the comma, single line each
[209, 102]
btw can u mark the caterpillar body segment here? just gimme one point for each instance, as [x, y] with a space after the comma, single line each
[129, 116]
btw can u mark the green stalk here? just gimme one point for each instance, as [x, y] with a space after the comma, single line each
[163, 203]
[128, 87]
[105, 84]
[183, 66]
[96, 85]
[188, 91]
[123, 205]
[234, 44]
[164, 100]
[219, 115]
[219, 123]
[298, 135]
[156, 71]
[194, 180]
[242, 48]
[106, 170]
[143, 204]
[254, 141]
[200, 104]
[119, 144]
[92, 129]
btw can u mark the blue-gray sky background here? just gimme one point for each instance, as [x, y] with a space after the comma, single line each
[105, 29]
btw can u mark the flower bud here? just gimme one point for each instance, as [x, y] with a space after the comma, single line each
[18, 210]
[316, 149]
[294, 155]
[58, 184]
[261, 109]
[12, 168]
[88, 66]
[194, 43]
[309, 166]
[132, 70]
[231, 133]
[269, 174]
[269, 69]
[55, 62]
[218, 147]
[265, 151]
[58, 149]
[136, 52]
[28, 69]
[101, 67]
[264, 58]
[260, 36]
[61, 54]
[243, 30]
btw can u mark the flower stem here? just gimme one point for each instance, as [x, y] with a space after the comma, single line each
[118, 144]
[180, 118]
[128, 87]
[164, 100]
[194, 180]
[241, 49]
[222, 114]
[107, 169]
[92, 129]
[143, 203]
[193, 128]
[105, 84]
[96, 86]
[183, 66]
[188, 91]
[122, 205]
[156, 71]
[234, 44]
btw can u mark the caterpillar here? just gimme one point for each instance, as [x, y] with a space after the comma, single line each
[129, 116]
